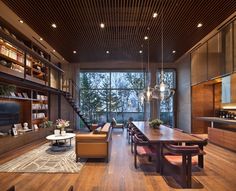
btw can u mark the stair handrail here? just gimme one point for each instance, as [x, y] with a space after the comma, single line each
[73, 89]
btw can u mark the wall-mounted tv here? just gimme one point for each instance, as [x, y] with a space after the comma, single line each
[9, 113]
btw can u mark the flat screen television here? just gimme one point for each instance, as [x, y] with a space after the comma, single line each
[9, 113]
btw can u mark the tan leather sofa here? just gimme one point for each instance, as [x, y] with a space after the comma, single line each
[91, 145]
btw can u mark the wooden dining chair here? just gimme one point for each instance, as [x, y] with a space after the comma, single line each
[178, 163]
[134, 131]
[12, 188]
[142, 148]
[201, 143]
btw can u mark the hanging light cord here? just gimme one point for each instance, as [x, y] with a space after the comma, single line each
[148, 49]
[162, 47]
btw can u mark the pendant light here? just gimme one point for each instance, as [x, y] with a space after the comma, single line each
[146, 94]
[162, 91]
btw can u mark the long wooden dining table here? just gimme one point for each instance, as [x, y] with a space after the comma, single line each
[162, 135]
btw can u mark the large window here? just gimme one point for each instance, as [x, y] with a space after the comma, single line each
[167, 106]
[104, 95]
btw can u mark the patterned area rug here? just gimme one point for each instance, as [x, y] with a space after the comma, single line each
[43, 159]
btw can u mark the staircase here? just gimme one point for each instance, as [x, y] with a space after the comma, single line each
[70, 92]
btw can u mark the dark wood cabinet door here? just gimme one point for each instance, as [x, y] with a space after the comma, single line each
[199, 65]
[227, 45]
[215, 57]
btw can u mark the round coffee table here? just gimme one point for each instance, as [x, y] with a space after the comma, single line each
[57, 145]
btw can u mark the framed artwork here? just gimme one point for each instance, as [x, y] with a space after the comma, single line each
[25, 95]
[14, 131]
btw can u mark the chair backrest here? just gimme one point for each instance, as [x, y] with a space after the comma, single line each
[12, 188]
[182, 150]
[114, 121]
[139, 140]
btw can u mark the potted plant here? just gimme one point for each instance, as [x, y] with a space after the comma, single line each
[6, 89]
[155, 123]
[47, 124]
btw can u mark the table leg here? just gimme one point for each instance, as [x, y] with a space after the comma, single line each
[158, 161]
[200, 158]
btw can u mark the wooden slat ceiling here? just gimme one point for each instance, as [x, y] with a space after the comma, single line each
[126, 23]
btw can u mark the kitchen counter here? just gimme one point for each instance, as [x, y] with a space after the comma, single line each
[218, 120]
[224, 136]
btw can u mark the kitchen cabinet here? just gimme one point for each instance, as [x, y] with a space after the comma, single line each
[227, 46]
[199, 65]
[215, 57]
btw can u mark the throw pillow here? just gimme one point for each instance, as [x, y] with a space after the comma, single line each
[97, 130]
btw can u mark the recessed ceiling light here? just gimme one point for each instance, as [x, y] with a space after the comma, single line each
[41, 38]
[108, 52]
[199, 25]
[54, 50]
[173, 51]
[74, 52]
[63, 59]
[146, 37]
[21, 21]
[140, 52]
[54, 25]
[154, 15]
[102, 25]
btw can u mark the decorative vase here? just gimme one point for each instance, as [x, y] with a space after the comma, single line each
[57, 132]
[63, 132]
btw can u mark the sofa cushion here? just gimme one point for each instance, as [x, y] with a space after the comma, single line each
[105, 128]
[90, 137]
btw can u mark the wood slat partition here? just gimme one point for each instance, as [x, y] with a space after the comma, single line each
[126, 23]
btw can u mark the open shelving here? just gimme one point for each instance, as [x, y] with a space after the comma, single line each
[23, 59]
[33, 104]
[15, 59]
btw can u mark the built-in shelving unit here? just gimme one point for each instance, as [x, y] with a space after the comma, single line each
[30, 68]
[33, 104]
[23, 59]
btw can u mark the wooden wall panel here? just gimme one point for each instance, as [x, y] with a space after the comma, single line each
[54, 109]
[202, 105]
[217, 96]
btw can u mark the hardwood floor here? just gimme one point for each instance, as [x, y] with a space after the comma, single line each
[120, 175]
